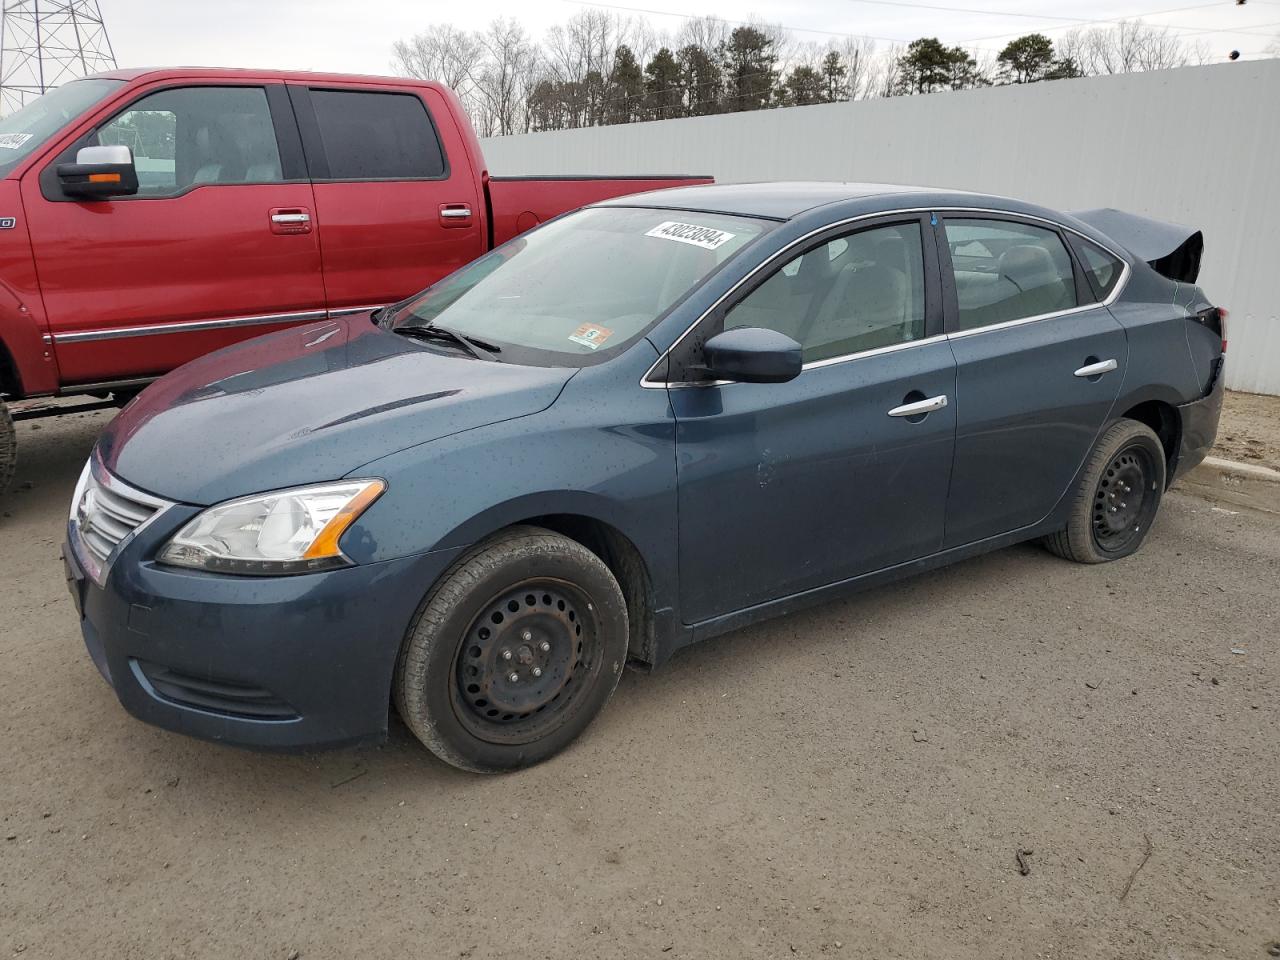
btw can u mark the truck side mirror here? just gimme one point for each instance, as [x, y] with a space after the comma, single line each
[99, 172]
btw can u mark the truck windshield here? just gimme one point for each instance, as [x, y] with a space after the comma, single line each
[25, 131]
[583, 287]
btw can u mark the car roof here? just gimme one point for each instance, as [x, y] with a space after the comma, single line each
[241, 74]
[784, 200]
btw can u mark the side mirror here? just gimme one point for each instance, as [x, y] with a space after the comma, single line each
[752, 355]
[99, 172]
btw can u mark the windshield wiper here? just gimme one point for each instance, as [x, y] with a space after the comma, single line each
[479, 349]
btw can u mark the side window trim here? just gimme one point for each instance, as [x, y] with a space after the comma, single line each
[282, 123]
[313, 144]
[1085, 296]
[713, 322]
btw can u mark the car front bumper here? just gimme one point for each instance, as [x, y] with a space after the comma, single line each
[302, 662]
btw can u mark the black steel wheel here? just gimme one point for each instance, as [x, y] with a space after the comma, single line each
[1125, 500]
[1116, 497]
[513, 652]
[525, 659]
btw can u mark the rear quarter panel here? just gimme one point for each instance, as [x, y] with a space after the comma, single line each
[1157, 314]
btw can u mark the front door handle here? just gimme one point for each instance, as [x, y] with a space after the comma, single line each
[1097, 369]
[920, 407]
[290, 220]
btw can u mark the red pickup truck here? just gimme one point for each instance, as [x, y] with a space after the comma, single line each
[151, 216]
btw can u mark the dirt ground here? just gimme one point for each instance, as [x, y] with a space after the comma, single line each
[853, 781]
[1250, 429]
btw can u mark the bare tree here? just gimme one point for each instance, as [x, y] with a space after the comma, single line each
[444, 53]
[1130, 46]
[505, 77]
[858, 55]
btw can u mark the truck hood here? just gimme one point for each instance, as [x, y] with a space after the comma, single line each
[308, 405]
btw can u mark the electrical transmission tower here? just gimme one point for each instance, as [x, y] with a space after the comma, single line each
[47, 42]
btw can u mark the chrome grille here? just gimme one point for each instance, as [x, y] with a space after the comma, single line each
[105, 513]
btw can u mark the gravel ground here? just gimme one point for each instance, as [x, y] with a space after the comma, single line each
[852, 781]
[1250, 430]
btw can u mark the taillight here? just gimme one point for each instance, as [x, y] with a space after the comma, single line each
[1215, 318]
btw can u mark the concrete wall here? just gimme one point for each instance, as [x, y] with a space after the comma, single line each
[1199, 146]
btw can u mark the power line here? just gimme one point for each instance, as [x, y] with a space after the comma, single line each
[1107, 21]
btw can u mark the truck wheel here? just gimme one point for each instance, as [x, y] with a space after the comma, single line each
[513, 652]
[1116, 498]
[8, 448]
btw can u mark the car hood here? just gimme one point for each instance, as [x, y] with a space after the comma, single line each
[308, 405]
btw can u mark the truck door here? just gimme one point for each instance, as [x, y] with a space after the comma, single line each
[217, 245]
[398, 204]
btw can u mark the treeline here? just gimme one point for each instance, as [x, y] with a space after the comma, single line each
[601, 68]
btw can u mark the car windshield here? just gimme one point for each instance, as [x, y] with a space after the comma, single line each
[25, 131]
[582, 287]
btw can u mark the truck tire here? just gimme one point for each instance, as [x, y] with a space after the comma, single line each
[1116, 498]
[513, 652]
[8, 448]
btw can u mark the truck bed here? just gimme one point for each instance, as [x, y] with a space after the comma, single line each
[518, 204]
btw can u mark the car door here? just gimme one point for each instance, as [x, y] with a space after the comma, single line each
[217, 244]
[398, 203]
[1039, 364]
[791, 486]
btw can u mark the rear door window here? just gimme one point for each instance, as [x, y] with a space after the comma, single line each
[377, 136]
[1102, 268]
[1006, 270]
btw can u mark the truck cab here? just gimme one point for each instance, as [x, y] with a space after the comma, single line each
[247, 201]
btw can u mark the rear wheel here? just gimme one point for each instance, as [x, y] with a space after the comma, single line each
[8, 448]
[1116, 498]
[513, 652]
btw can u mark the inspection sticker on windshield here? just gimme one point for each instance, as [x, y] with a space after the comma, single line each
[705, 237]
[12, 141]
[591, 335]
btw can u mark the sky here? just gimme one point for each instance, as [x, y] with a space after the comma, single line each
[355, 36]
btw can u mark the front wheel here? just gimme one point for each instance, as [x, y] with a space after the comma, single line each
[8, 447]
[1116, 498]
[513, 652]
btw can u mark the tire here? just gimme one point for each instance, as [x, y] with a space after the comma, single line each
[528, 603]
[1106, 522]
[8, 448]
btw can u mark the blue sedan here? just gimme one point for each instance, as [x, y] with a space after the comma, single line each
[640, 425]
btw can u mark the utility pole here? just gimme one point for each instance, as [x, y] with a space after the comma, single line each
[44, 43]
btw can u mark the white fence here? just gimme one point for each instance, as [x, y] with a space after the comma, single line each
[1198, 146]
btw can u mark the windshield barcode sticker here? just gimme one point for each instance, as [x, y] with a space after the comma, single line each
[705, 237]
[12, 141]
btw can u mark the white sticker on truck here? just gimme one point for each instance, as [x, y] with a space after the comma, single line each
[708, 238]
[12, 141]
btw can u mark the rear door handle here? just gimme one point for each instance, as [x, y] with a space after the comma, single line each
[290, 220]
[1097, 369]
[455, 215]
[920, 407]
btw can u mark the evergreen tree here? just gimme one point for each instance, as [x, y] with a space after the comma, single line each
[662, 86]
[624, 101]
[1026, 59]
[803, 86]
[702, 79]
[749, 69]
[834, 77]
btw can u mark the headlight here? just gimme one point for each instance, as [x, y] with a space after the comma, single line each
[286, 531]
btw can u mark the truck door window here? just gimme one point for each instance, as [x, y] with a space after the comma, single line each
[377, 136]
[192, 136]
